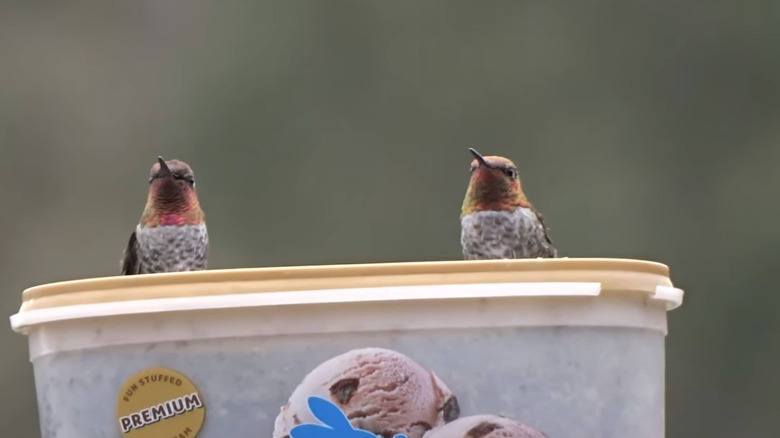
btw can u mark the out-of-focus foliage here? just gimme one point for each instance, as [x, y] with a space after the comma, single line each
[334, 132]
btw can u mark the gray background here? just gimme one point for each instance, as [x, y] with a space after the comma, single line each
[335, 132]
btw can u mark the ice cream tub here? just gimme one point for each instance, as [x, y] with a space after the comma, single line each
[556, 348]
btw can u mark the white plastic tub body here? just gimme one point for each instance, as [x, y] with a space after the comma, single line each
[574, 359]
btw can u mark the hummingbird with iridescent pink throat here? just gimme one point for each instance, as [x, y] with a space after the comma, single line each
[172, 235]
[497, 220]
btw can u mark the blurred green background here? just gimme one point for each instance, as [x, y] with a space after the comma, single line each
[337, 132]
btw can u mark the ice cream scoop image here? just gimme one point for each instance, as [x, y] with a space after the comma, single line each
[335, 423]
[484, 426]
[379, 390]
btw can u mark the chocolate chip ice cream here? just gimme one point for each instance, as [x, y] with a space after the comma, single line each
[484, 426]
[379, 390]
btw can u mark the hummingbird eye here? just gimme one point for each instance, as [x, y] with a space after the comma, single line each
[512, 173]
[188, 178]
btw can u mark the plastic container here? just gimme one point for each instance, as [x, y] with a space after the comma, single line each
[571, 347]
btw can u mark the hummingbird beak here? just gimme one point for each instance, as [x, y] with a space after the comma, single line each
[480, 158]
[165, 172]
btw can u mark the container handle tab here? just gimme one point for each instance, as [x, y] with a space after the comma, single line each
[672, 296]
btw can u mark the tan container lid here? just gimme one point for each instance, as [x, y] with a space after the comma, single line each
[301, 300]
[613, 275]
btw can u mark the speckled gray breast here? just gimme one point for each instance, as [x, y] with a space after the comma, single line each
[504, 235]
[172, 248]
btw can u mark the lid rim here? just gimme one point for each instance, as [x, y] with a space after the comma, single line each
[23, 321]
[624, 274]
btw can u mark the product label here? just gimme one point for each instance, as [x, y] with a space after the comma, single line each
[159, 402]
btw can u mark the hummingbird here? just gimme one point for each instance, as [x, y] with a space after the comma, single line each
[172, 235]
[497, 220]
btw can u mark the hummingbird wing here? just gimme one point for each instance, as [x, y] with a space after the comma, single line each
[546, 232]
[130, 263]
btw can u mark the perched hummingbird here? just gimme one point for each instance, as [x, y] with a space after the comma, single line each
[497, 221]
[171, 236]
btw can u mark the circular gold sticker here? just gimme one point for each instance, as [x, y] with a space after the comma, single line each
[159, 402]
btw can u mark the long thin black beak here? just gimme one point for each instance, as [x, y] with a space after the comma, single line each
[480, 158]
[165, 172]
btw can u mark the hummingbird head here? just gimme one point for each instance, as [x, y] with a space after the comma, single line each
[172, 198]
[494, 185]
